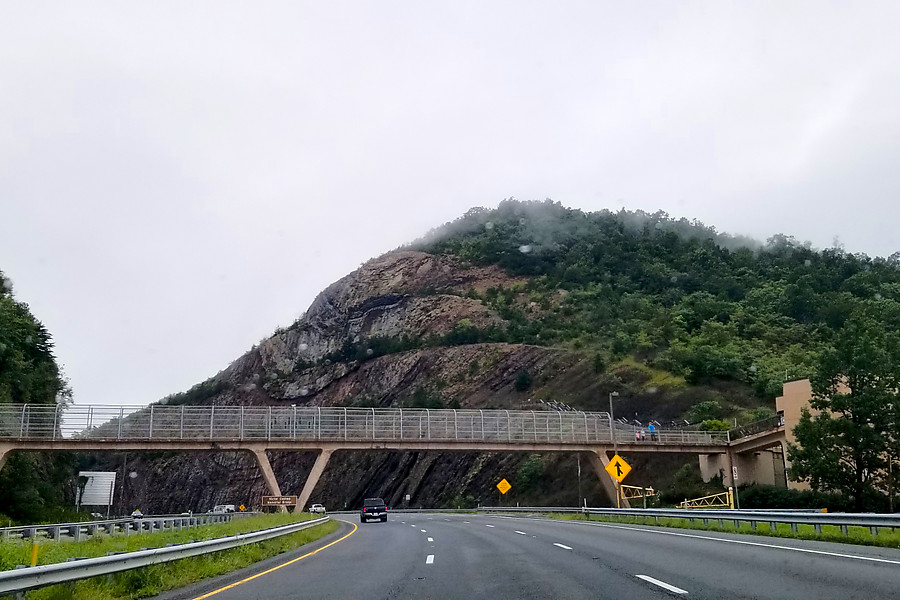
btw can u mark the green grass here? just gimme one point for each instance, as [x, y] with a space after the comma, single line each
[886, 537]
[148, 581]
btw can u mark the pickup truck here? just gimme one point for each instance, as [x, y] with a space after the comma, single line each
[373, 508]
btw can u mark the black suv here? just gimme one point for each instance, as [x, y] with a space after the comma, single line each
[373, 508]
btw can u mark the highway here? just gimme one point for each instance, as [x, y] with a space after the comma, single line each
[496, 557]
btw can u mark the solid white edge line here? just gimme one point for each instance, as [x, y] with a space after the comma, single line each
[430, 539]
[727, 541]
[521, 532]
[429, 560]
[423, 531]
[662, 584]
[563, 546]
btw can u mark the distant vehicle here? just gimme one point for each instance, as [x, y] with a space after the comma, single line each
[223, 508]
[317, 509]
[373, 508]
[137, 514]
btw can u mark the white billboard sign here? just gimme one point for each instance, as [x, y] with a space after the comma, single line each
[98, 489]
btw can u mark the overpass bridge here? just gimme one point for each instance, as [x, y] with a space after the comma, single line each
[325, 430]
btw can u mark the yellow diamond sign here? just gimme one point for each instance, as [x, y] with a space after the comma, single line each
[504, 486]
[617, 468]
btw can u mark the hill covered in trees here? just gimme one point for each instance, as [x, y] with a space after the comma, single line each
[672, 293]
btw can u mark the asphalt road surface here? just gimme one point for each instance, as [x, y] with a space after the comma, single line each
[465, 557]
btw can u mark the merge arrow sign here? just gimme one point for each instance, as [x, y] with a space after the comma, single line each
[617, 468]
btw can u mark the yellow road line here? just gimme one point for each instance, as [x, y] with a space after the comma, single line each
[290, 562]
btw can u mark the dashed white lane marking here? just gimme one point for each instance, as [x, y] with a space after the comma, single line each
[488, 525]
[430, 559]
[563, 546]
[467, 521]
[422, 530]
[521, 532]
[662, 584]
[430, 539]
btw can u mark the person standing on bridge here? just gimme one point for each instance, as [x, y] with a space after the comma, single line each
[652, 429]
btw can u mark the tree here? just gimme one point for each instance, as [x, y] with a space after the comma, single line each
[844, 448]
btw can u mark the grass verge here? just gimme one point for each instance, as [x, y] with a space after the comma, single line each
[148, 581]
[886, 537]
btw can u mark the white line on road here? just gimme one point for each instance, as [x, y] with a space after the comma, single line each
[521, 533]
[488, 525]
[422, 530]
[662, 584]
[563, 546]
[746, 543]
[430, 559]
[430, 539]
[467, 521]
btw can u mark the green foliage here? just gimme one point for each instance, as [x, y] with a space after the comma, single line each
[688, 483]
[150, 581]
[422, 398]
[704, 411]
[844, 448]
[715, 425]
[28, 369]
[523, 380]
[32, 487]
[199, 393]
[529, 473]
[771, 497]
[674, 292]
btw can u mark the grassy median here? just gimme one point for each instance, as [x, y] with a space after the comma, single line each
[148, 581]
[886, 537]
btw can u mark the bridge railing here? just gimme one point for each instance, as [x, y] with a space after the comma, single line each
[766, 424]
[165, 423]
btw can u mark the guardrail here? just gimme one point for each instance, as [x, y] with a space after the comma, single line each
[872, 521]
[756, 427]
[792, 517]
[123, 526]
[27, 578]
[229, 423]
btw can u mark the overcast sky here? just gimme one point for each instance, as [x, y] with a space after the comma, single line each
[179, 178]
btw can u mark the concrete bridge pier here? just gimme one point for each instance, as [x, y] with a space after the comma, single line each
[5, 450]
[268, 474]
[313, 478]
[599, 459]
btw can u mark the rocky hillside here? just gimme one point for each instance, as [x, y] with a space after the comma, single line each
[504, 308]
[393, 333]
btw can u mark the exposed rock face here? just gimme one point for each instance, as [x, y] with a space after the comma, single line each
[402, 295]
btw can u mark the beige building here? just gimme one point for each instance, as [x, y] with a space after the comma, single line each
[767, 463]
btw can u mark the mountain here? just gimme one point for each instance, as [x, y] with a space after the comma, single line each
[525, 303]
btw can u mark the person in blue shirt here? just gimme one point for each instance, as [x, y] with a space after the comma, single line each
[652, 428]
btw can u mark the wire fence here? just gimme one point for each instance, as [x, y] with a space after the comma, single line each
[217, 423]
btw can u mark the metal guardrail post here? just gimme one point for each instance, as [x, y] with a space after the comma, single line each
[401, 423]
[121, 418]
[150, 434]
[509, 427]
[242, 424]
[181, 424]
[482, 424]
[455, 424]
[212, 416]
[428, 423]
[22, 422]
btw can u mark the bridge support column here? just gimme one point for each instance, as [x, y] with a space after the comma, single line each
[5, 451]
[310, 485]
[599, 460]
[268, 474]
